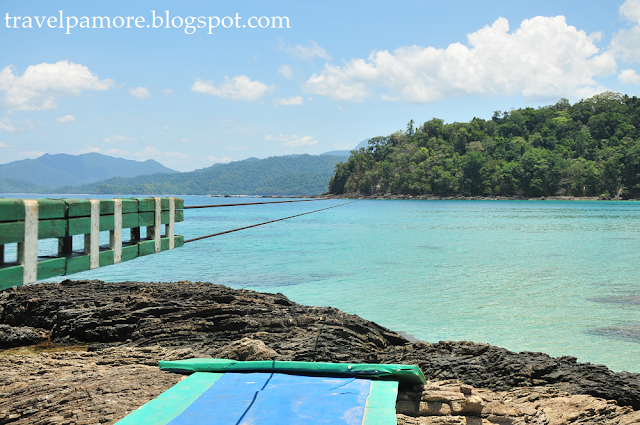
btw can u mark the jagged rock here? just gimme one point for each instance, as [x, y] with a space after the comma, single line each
[130, 326]
[247, 349]
[17, 336]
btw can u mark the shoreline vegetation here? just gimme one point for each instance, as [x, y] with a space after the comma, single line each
[128, 326]
[588, 149]
[397, 196]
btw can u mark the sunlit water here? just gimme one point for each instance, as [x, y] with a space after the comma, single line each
[559, 277]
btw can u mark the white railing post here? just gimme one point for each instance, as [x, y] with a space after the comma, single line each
[92, 240]
[28, 249]
[115, 236]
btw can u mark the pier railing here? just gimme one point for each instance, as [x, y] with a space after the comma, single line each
[25, 222]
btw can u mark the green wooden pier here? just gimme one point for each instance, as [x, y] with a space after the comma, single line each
[26, 221]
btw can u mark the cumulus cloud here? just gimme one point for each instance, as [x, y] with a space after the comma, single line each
[4, 145]
[293, 100]
[630, 10]
[40, 85]
[237, 88]
[140, 92]
[167, 92]
[629, 76]
[119, 138]
[306, 53]
[626, 42]
[286, 70]
[543, 58]
[66, 118]
[292, 140]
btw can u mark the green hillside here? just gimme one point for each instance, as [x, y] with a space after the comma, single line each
[278, 175]
[590, 148]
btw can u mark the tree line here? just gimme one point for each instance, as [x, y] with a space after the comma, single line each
[590, 148]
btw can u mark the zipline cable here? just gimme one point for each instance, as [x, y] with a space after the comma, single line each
[250, 203]
[266, 222]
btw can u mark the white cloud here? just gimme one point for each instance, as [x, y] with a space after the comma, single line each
[7, 125]
[4, 145]
[167, 92]
[630, 10]
[626, 42]
[306, 53]
[40, 85]
[184, 140]
[66, 118]
[302, 141]
[140, 92]
[286, 70]
[238, 88]
[10, 126]
[293, 100]
[149, 152]
[226, 120]
[543, 58]
[629, 76]
[87, 149]
[165, 127]
[215, 160]
[292, 140]
[119, 138]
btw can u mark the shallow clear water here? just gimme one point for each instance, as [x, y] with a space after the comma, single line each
[561, 277]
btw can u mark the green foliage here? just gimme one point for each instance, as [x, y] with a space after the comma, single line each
[589, 148]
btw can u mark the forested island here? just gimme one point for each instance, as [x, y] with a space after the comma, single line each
[590, 148]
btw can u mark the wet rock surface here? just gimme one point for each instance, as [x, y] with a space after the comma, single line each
[129, 326]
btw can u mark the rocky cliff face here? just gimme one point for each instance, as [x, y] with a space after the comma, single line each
[131, 325]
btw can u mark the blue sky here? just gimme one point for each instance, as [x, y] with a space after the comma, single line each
[340, 74]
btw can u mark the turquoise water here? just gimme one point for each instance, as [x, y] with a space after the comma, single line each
[561, 277]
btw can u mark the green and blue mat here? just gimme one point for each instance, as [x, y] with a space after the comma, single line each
[222, 392]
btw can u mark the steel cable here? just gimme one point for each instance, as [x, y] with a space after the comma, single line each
[266, 222]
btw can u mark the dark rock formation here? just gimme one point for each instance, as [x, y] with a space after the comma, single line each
[212, 319]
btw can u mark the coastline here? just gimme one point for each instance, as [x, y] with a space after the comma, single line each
[129, 326]
[396, 196]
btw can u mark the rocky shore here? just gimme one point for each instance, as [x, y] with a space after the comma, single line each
[128, 326]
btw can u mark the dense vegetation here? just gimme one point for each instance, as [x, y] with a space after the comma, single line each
[590, 148]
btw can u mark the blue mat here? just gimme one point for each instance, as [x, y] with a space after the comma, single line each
[270, 399]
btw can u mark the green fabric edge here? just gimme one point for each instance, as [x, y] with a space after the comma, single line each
[168, 405]
[406, 374]
[380, 408]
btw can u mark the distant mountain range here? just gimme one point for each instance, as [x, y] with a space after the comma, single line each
[278, 175]
[51, 171]
[362, 144]
[95, 173]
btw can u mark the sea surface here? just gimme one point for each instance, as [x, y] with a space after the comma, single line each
[560, 277]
